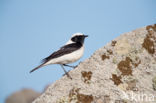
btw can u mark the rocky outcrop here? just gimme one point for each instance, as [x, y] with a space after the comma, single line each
[22, 96]
[123, 71]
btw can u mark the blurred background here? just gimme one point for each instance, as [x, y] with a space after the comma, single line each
[31, 30]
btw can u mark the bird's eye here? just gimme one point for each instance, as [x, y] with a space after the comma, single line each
[73, 39]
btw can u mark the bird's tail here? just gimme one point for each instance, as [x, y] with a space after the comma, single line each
[36, 68]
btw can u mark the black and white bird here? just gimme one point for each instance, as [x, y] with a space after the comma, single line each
[71, 52]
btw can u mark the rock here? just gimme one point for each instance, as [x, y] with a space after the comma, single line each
[120, 72]
[23, 96]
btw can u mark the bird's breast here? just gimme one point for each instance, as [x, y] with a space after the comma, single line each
[74, 56]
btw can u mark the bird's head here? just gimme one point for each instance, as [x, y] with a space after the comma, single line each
[77, 38]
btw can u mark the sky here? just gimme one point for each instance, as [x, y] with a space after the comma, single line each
[31, 30]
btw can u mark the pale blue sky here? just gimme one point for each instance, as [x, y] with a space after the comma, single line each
[32, 29]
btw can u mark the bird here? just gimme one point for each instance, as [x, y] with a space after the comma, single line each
[71, 52]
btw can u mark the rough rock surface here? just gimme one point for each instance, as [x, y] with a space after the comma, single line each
[22, 96]
[123, 71]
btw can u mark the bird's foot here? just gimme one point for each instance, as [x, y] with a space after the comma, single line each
[70, 66]
[67, 73]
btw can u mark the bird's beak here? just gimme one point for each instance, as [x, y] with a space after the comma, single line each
[85, 35]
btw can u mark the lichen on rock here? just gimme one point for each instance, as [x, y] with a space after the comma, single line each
[154, 83]
[86, 76]
[116, 79]
[150, 40]
[125, 66]
[80, 98]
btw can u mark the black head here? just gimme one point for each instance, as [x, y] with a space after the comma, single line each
[79, 38]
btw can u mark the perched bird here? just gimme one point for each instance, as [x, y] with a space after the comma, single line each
[71, 52]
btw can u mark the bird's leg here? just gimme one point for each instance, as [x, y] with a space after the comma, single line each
[69, 66]
[66, 72]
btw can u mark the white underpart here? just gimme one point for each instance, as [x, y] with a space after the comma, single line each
[67, 58]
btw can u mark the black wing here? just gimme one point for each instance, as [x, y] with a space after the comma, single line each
[63, 50]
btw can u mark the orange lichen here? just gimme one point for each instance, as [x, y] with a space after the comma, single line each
[104, 56]
[125, 66]
[81, 98]
[114, 43]
[149, 45]
[110, 51]
[150, 39]
[116, 79]
[153, 27]
[86, 76]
